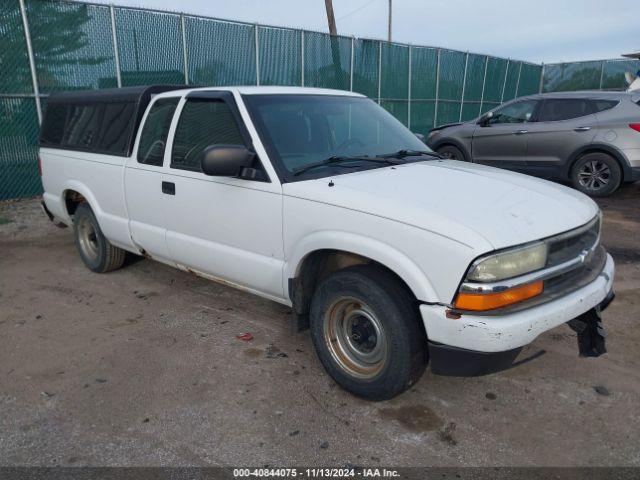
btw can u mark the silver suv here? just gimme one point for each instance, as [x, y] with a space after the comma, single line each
[589, 138]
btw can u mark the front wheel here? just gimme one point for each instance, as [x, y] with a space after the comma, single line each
[596, 174]
[366, 332]
[450, 152]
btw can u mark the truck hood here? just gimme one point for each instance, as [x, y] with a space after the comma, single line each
[482, 207]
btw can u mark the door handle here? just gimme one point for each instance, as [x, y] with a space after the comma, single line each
[582, 129]
[169, 188]
[520, 132]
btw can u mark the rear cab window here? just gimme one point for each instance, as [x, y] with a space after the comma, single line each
[153, 138]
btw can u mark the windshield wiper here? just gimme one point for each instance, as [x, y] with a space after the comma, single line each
[339, 159]
[411, 153]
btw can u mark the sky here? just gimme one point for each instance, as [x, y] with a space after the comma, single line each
[548, 31]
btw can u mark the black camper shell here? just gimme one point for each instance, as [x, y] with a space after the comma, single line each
[97, 121]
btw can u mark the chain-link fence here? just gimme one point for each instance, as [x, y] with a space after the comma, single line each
[51, 45]
[594, 75]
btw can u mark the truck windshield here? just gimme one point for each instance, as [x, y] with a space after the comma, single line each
[303, 130]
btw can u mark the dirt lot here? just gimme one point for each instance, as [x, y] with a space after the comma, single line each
[142, 367]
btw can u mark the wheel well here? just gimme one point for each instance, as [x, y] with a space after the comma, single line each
[314, 269]
[596, 150]
[71, 200]
[449, 143]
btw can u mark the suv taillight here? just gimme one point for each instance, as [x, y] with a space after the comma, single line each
[39, 165]
[635, 126]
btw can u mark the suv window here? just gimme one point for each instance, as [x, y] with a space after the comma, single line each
[563, 109]
[518, 112]
[153, 138]
[203, 122]
[602, 105]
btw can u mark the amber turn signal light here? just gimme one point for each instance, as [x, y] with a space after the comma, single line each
[489, 301]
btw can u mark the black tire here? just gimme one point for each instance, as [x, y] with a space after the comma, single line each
[451, 152]
[95, 250]
[596, 174]
[379, 294]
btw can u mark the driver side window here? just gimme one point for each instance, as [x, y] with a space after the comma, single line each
[153, 138]
[518, 112]
[203, 122]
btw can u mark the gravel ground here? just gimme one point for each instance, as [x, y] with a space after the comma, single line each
[142, 367]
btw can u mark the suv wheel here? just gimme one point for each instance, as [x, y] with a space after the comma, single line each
[366, 332]
[451, 152]
[95, 250]
[596, 174]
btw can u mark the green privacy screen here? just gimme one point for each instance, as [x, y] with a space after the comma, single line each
[327, 61]
[220, 53]
[598, 75]
[85, 46]
[150, 47]
[280, 56]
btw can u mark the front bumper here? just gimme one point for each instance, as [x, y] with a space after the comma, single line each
[482, 333]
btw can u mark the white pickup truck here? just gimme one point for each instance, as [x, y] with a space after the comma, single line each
[321, 200]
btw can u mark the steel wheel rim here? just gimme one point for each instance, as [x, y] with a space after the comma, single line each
[356, 338]
[594, 175]
[449, 156]
[88, 238]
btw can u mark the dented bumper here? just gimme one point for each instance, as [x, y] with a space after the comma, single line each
[508, 333]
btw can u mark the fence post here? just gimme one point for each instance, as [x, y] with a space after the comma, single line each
[353, 42]
[116, 53]
[541, 78]
[185, 58]
[435, 110]
[464, 84]
[484, 81]
[302, 57]
[257, 48]
[518, 82]
[504, 84]
[601, 74]
[379, 70]
[32, 61]
[409, 89]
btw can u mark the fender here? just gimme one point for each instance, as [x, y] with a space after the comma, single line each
[610, 149]
[115, 228]
[367, 247]
[455, 143]
[83, 190]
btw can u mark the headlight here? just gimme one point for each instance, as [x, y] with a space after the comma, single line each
[510, 263]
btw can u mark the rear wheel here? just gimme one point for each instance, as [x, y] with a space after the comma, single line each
[596, 174]
[94, 248]
[366, 332]
[451, 152]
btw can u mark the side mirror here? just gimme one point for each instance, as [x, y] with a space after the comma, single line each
[483, 121]
[420, 137]
[225, 160]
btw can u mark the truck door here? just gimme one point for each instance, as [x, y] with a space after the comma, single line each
[145, 180]
[224, 227]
